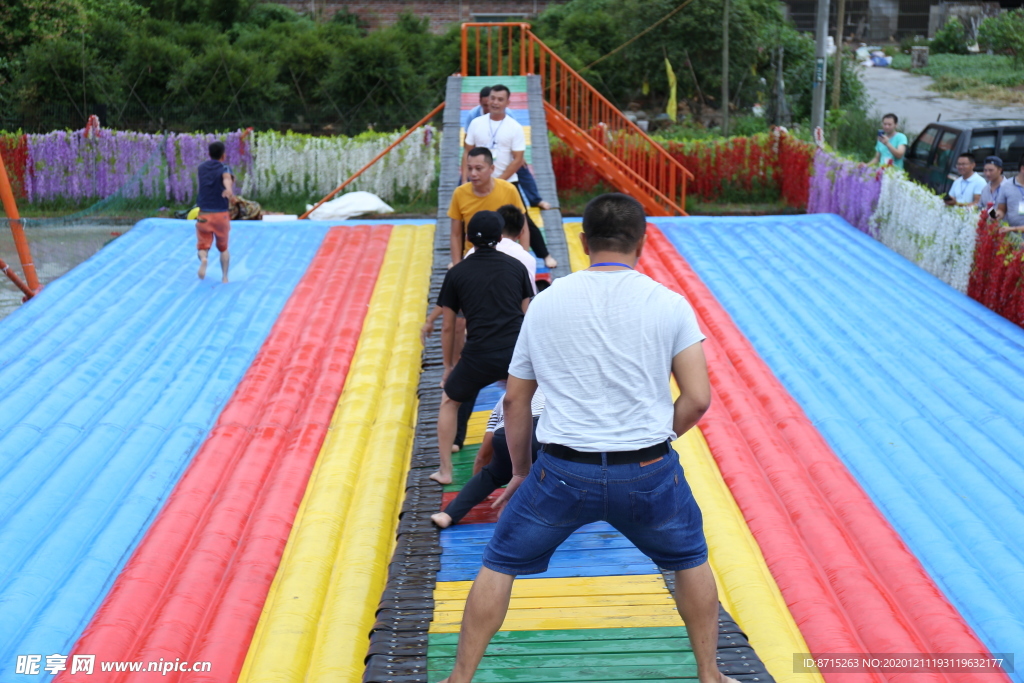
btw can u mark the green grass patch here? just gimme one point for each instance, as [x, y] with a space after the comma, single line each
[974, 76]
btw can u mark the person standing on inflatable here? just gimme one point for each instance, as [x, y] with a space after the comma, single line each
[601, 344]
[216, 192]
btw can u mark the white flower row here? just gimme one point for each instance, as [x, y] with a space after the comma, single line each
[313, 166]
[915, 223]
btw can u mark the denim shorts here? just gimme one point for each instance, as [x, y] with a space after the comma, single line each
[650, 505]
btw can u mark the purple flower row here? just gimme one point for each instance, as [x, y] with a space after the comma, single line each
[847, 188]
[67, 165]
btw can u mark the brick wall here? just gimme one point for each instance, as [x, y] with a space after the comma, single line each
[442, 13]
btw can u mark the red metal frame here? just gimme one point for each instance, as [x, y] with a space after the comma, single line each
[584, 111]
[18, 232]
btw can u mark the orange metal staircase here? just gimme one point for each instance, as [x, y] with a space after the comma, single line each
[580, 116]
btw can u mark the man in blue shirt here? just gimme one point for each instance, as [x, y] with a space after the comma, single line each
[216, 192]
[1010, 202]
[967, 189]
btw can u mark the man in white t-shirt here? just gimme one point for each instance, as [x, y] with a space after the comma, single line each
[966, 190]
[515, 221]
[601, 344]
[500, 133]
[504, 136]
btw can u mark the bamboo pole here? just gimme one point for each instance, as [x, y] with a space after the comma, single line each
[377, 158]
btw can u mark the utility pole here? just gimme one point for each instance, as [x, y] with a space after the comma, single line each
[725, 67]
[818, 99]
[837, 76]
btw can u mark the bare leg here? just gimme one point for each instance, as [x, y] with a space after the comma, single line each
[447, 419]
[485, 610]
[203, 254]
[225, 261]
[697, 602]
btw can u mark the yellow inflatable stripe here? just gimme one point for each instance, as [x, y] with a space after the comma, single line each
[745, 585]
[535, 216]
[321, 604]
[568, 603]
[639, 584]
[578, 260]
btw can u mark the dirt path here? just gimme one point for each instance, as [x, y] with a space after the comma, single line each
[905, 94]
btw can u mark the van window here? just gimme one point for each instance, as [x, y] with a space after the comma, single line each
[945, 146]
[922, 147]
[983, 144]
[1012, 145]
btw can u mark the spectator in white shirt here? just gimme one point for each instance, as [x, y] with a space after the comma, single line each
[994, 180]
[966, 190]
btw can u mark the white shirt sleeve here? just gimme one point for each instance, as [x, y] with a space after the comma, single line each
[497, 415]
[471, 134]
[688, 332]
[519, 140]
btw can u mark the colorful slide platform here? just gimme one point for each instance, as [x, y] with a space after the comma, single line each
[209, 478]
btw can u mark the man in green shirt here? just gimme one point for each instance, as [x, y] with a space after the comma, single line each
[891, 146]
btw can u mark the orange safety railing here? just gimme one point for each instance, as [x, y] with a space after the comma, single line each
[20, 242]
[495, 49]
[339, 188]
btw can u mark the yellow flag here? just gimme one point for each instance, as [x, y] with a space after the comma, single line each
[670, 109]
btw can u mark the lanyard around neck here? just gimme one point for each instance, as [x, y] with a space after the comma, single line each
[610, 263]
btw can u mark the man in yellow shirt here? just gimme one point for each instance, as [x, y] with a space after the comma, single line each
[482, 193]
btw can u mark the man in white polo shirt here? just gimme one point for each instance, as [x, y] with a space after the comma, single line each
[505, 137]
[601, 344]
[966, 190]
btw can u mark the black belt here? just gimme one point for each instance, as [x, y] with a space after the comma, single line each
[614, 457]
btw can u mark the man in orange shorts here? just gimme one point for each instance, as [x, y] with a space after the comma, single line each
[216, 192]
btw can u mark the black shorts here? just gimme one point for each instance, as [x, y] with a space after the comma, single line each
[474, 372]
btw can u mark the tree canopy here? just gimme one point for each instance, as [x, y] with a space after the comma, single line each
[204, 64]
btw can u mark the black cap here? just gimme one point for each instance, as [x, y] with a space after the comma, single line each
[485, 228]
[994, 160]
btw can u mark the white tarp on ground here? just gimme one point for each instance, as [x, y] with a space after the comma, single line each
[350, 205]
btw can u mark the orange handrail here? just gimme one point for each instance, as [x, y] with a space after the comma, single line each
[377, 158]
[18, 232]
[580, 103]
[16, 280]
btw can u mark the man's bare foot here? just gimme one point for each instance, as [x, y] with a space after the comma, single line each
[550, 261]
[456, 448]
[441, 519]
[443, 479]
[202, 268]
[546, 206]
[224, 279]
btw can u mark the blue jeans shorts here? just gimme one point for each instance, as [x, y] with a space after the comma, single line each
[651, 505]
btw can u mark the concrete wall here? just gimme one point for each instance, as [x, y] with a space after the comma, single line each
[442, 13]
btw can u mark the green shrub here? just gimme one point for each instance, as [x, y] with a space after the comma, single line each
[951, 38]
[1004, 34]
[909, 42]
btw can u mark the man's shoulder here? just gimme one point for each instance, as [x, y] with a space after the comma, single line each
[477, 122]
[504, 185]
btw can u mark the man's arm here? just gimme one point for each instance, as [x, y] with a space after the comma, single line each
[229, 186]
[526, 304]
[457, 239]
[465, 159]
[691, 372]
[898, 152]
[513, 166]
[518, 432]
[448, 340]
[428, 326]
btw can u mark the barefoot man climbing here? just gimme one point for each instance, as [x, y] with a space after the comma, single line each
[493, 290]
[216, 192]
[601, 344]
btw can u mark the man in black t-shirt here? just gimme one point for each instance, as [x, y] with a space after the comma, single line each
[492, 290]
